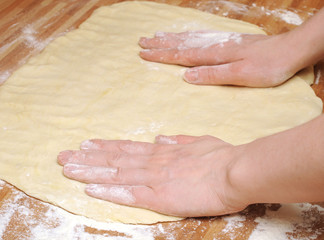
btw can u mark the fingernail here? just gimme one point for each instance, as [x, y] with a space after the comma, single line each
[88, 144]
[71, 169]
[146, 51]
[94, 189]
[64, 156]
[191, 75]
[142, 41]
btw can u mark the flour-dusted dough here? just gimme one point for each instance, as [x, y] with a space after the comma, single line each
[91, 83]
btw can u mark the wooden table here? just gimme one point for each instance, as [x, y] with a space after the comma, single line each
[51, 18]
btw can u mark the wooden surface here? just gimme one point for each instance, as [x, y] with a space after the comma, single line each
[27, 26]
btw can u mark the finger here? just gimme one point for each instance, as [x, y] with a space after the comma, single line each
[102, 158]
[187, 56]
[89, 174]
[159, 42]
[189, 39]
[164, 40]
[83, 157]
[104, 175]
[135, 196]
[126, 146]
[225, 74]
[177, 139]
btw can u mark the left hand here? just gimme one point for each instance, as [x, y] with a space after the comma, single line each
[225, 58]
[178, 175]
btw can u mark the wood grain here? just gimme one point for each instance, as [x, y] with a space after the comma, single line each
[27, 26]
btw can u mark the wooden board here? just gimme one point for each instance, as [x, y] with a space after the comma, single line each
[27, 26]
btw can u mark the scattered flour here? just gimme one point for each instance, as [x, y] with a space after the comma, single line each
[4, 76]
[286, 16]
[7, 212]
[318, 77]
[57, 224]
[234, 222]
[29, 37]
[227, 7]
[288, 221]
[152, 128]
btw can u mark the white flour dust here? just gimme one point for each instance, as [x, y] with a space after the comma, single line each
[122, 193]
[7, 211]
[290, 219]
[206, 39]
[28, 36]
[290, 222]
[234, 222]
[88, 144]
[317, 78]
[225, 8]
[166, 140]
[151, 128]
[4, 76]
[77, 169]
[57, 224]
[287, 16]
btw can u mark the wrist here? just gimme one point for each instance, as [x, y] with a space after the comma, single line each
[305, 43]
[246, 174]
[236, 191]
[294, 51]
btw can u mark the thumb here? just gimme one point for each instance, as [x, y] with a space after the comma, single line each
[176, 139]
[224, 74]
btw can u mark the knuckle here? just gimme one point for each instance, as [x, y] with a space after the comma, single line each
[191, 57]
[124, 145]
[117, 176]
[207, 138]
[114, 158]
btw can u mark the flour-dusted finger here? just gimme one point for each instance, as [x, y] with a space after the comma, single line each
[118, 146]
[164, 40]
[102, 158]
[135, 196]
[83, 157]
[189, 56]
[160, 43]
[89, 174]
[189, 39]
[111, 175]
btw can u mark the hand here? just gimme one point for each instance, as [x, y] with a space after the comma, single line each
[178, 175]
[223, 58]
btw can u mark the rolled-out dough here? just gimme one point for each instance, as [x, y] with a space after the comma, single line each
[91, 83]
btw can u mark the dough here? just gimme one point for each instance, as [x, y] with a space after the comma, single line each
[91, 83]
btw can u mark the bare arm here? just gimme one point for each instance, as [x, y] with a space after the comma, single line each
[284, 168]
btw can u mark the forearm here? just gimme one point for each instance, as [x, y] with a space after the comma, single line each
[285, 167]
[305, 44]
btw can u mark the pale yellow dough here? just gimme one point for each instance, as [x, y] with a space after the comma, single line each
[91, 83]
